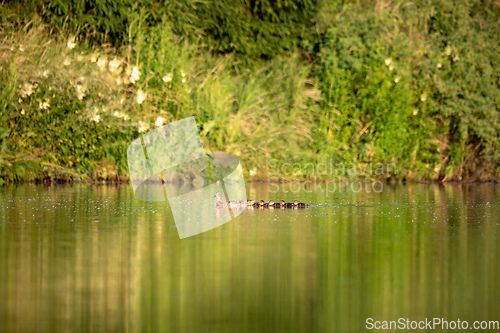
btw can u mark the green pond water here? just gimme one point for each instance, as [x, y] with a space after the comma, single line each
[77, 258]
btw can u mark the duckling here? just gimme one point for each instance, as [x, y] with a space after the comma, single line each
[270, 204]
[297, 204]
[289, 205]
[245, 203]
[281, 204]
[262, 204]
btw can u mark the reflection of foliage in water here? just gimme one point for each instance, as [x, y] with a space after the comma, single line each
[293, 271]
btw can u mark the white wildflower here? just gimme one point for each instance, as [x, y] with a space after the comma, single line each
[22, 112]
[391, 68]
[114, 65]
[21, 48]
[80, 91]
[44, 105]
[141, 96]
[396, 79]
[96, 118]
[71, 43]
[122, 100]
[143, 127]
[26, 89]
[20, 101]
[119, 81]
[134, 74]
[43, 73]
[93, 58]
[167, 78]
[66, 62]
[455, 58]
[423, 97]
[120, 115]
[101, 63]
[183, 80]
[183, 74]
[388, 61]
[253, 172]
[415, 112]
[439, 65]
[159, 121]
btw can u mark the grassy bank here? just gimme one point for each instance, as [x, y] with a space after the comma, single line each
[407, 91]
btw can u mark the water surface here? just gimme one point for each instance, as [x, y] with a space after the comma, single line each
[94, 258]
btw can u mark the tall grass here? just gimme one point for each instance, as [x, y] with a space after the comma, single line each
[65, 108]
[72, 110]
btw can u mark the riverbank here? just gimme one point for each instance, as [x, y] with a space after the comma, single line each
[413, 86]
[309, 182]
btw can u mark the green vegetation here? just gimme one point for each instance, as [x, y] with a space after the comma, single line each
[412, 84]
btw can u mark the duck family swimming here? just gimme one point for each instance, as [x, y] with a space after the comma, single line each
[259, 204]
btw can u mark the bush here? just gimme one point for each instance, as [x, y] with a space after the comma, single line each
[254, 29]
[422, 93]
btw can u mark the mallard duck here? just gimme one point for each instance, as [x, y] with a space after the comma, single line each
[219, 203]
[289, 205]
[270, 204]
[232, 203]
